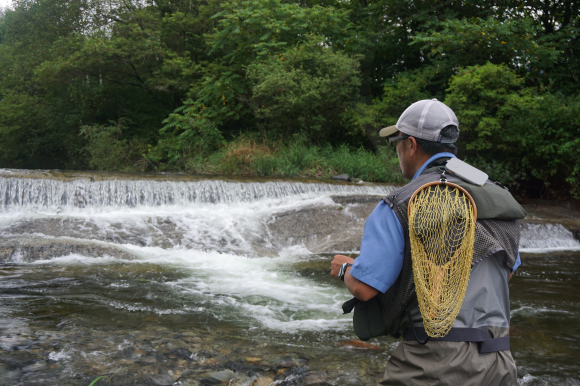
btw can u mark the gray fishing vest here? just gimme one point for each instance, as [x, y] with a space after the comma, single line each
[497, 233]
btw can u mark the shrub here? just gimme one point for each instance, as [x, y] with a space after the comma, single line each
[107, 151]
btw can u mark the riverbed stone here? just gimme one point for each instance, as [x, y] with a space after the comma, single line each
[176, 344]
[10, 375]
[349, 380]
[38, 366]
[20, 359]
[189, 382]
[183, 353]
[315, 379]
[242, 380]
[288, 364]
[263, 381]
[217, 377]
[147, 360]
[249, 369]
[121, 371]
[162, 379]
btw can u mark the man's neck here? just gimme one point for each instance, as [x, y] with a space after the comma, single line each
[419, 160]
[433, 160]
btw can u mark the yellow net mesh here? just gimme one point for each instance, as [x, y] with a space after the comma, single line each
[442, 232]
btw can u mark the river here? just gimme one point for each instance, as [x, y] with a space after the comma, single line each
[171, 279]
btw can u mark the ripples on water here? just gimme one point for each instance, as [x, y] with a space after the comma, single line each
[206, 262]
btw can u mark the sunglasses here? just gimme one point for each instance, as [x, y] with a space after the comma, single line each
[393, 140]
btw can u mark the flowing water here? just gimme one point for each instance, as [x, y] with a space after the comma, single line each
[170, 279]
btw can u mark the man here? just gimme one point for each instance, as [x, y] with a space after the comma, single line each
[476, 349]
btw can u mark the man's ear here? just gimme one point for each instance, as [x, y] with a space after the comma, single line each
[413, 145]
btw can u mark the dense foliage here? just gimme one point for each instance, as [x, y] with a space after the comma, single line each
[274, 87]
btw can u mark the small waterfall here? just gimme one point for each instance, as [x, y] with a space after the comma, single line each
[540, 237]
[81, 193]
[17, 193]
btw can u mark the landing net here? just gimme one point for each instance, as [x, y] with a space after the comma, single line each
[442, 232]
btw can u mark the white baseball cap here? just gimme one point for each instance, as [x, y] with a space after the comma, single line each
[425, 120]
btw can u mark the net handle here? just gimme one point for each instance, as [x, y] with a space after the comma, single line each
[444, 183]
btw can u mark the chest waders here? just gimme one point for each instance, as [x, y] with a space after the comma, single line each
[496, 233]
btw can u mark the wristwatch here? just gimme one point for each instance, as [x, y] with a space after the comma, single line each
[342, 270]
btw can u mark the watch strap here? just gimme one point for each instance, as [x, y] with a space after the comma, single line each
[342, 270]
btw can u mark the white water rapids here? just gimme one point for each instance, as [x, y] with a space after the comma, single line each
[215, 231]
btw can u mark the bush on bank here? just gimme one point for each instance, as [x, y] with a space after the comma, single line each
[247, 156]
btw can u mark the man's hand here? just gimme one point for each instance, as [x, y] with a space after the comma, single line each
[337, 262]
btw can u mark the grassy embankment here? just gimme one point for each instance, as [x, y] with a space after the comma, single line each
[250, 157]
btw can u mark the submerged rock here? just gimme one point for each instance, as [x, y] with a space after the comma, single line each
[322, 229]
[342, 177]
[189, 382]
[218, 377]
[27, 250]
[349, 380]
[242, 380]
[315, 379]
[183, 353]
[162, 379]
[263, 381]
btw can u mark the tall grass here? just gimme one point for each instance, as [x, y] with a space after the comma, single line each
[247, 156]
[251, 157]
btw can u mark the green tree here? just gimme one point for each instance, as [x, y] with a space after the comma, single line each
[248, 34]
[35, 120]
[307, 89]
[519, 135]
[183, 80]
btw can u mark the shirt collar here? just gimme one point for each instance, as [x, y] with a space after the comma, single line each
[433, 158]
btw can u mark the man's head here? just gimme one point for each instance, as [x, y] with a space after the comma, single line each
[424, 129]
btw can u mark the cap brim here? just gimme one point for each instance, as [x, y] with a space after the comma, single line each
[390, 130]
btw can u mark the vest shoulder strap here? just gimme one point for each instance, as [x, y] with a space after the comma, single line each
[492, 201]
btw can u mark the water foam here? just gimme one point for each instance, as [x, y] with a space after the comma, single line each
[526, 380]
[262, 292]
[539, 238]
[533, 310]
[62, 355]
